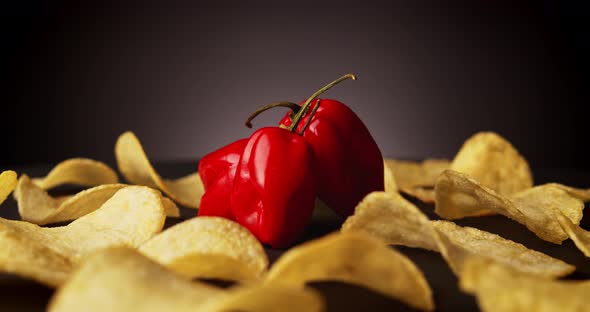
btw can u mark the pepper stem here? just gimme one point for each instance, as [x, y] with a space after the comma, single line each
[294, 107]
[305, 106]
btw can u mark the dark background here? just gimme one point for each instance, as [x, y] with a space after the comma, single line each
[184, 77]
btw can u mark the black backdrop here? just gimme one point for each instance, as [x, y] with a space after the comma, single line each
[185, 77]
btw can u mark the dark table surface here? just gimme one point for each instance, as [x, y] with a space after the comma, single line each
[18, 294]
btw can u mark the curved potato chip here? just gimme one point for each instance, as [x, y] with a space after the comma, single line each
[137, 169]
[472, 241]
[35, 205]
[581, 194]
[130, 217]
[492, 160]
[409, 174]
[208, 236]
[266, 299]
[580, 236]
[31, 259]
[398, 222]
[7, 184]
[121, 279]
[356, 258]
[498, 288]
[79, 171]
[457, 196]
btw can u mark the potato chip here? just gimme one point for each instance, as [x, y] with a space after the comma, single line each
[492, 160]
[409, 174]
[581, 194]
[262, 298]
[130, 217]
[580, 236]
[398, 222]
[137, 169]
[211, 238]
[31, 259]
[35, 205]
[458, 196]
[499, 288]
[356, 258]
[7, 184]
[78, 171]
[121, 279]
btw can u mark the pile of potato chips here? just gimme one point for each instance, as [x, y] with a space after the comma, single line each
[114, 255]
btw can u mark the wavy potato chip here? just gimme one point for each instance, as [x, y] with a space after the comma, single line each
[137, 169]
[492, 160]
[398, 222]
[79, 171]
[499, 288]
[356, 258]
[35, 205]
[208, 239]
[409, 174]
[130, 217]
[31, 259]
[580, 236]
[7, 184]
[458, 196]
[121, 279]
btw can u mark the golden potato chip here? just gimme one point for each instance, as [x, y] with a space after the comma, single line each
[494, 162]
[262, 298]
[7, 184]
[398, 222]
[356, 258]
[121, 279]
[137, 169]
[458, 196]
[35, 205]
[409, 174]
[580, 236]
[499, 288]
[130, 217]
[394, 219]
[471, 241]
[31, 259]
[581, 194]
[79, 171]
[212, 237]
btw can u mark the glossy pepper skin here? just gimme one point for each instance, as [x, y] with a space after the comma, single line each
[350, 160]
[275, 186]
[217, 171]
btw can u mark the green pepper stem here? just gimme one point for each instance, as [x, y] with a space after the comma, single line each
[294, 107]
[315, 109]
[305, 106]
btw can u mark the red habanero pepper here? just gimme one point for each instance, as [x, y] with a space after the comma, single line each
[217, 171]
[275, 186]
[350, 160]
